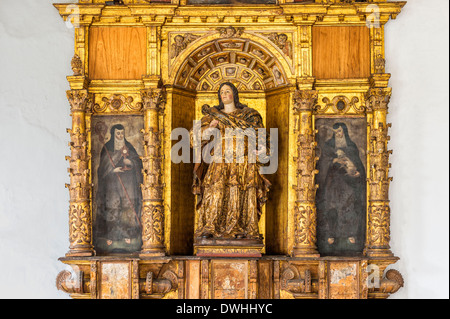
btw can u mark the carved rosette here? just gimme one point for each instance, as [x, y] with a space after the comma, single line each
[378, 237]
[153, 101]
[80, 219]
[305, 207]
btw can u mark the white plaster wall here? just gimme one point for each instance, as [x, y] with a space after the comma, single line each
[36, 49]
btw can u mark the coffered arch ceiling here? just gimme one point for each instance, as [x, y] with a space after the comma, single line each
[244, 62]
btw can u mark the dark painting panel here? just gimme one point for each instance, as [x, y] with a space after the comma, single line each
[231, 1]
[117, 176]
[341, 197]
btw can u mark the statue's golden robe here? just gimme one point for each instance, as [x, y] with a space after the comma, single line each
[230, 193]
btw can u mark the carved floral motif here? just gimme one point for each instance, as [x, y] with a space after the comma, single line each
[379, 221]
[77, 65]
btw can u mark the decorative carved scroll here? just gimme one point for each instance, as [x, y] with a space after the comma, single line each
[161, 285]
[152, 189]
[392, 281]
[70, 282]
[292, 282]
[340, 104]
[117, 103]
[305, 207]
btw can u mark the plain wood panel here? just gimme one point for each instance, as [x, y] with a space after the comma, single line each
[182, 199]
[117, 53]
[277, 205]
[341, 52]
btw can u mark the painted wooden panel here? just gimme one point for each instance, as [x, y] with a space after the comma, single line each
[230, 280]
[341, 52]
[341, 197]
[117, 175]
[343, 280]
[117, 53]
[115, 281]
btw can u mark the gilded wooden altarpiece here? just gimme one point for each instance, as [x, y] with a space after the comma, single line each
[310, 68]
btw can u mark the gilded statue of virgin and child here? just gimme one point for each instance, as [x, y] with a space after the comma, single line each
[230, 189]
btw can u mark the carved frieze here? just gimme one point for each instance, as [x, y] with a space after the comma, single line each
[340, 104]
[117, 103]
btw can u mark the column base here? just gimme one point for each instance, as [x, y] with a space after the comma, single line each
[81, 253]
[150, 252]
[218, 247]
[305, 253]
[378, 252]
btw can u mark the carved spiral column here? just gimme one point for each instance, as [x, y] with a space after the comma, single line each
[80, 219]
[378, 233]
[305, 214]
[152, 188]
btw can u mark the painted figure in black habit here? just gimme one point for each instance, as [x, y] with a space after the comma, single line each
[119, 198]
[341, 197]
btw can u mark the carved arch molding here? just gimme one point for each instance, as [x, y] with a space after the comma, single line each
[244, 62]
[153, 60]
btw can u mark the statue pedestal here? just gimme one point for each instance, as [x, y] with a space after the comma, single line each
[218, 247]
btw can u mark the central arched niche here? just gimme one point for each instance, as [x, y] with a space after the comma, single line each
[263, 84]
[247, 64]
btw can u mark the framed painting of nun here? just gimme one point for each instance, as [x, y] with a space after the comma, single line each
[341, 196]
[117, 179]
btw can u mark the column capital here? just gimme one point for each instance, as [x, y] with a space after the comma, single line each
[305, 100]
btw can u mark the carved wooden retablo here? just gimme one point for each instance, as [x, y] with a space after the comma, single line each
[308, 219]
